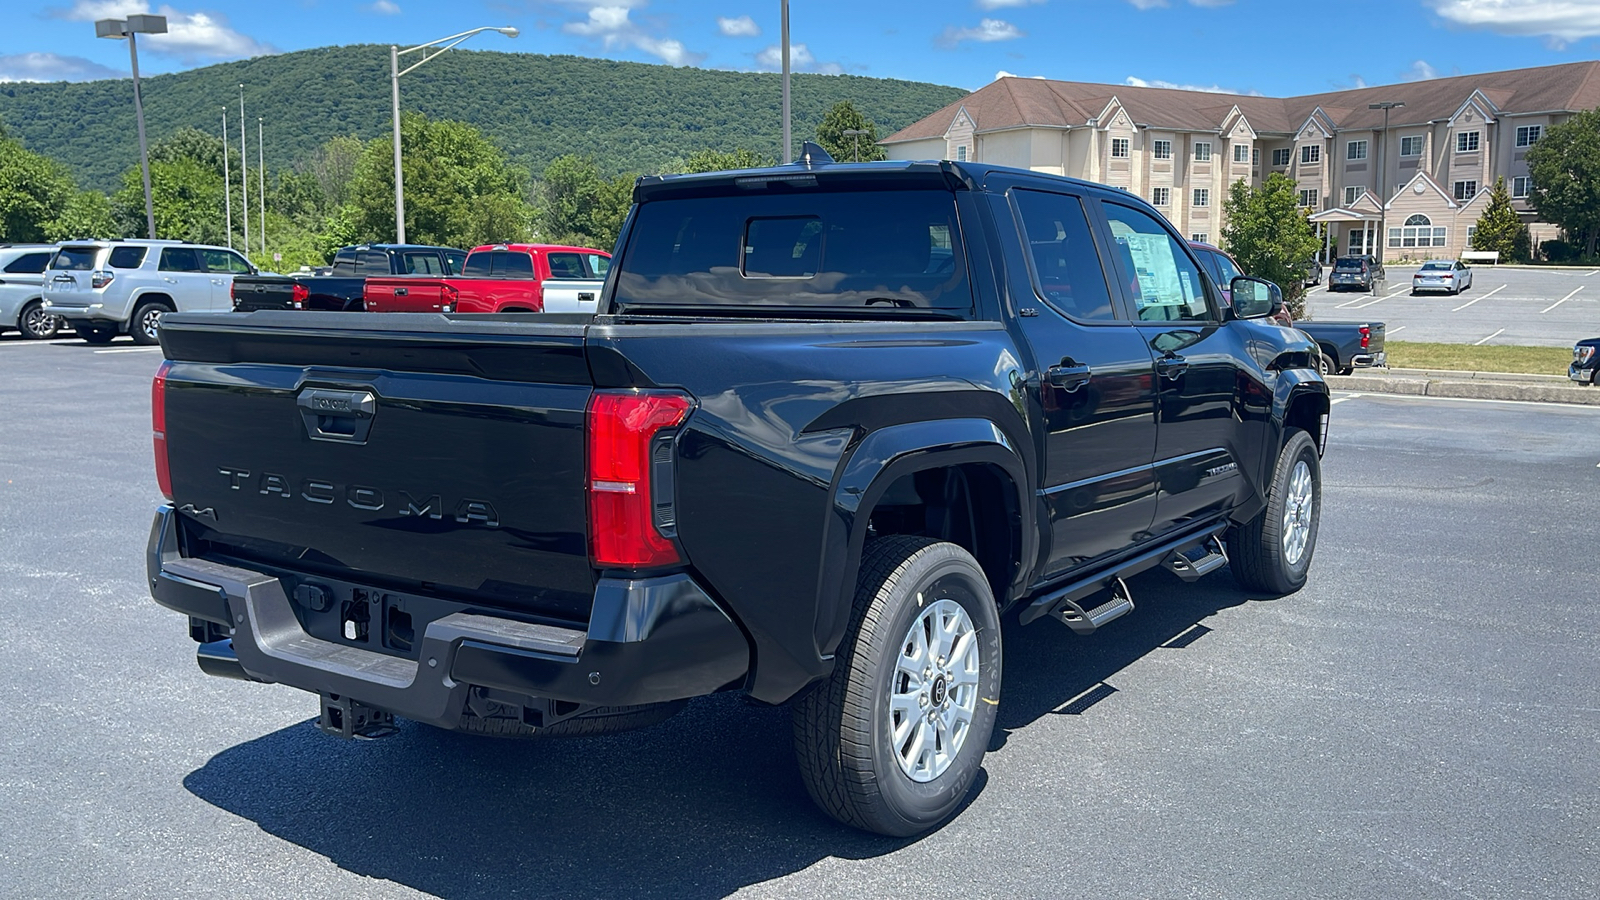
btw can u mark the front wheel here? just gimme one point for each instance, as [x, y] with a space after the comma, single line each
[146, 325]
[1272, 552]
[36, 324]
[892, 741]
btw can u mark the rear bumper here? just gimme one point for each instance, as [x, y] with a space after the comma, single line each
[1368, 360]
[649, 640]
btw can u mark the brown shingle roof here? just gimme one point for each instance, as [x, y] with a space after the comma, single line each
[1018, 102]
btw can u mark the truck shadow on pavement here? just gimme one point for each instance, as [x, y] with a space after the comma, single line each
[699, 806]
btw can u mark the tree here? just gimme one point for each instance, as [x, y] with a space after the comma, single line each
[186, 196]
[1565, 166]
[34, 190]
[718, 161]
[460, 190]
[1500, 228]
[578, 205]
[333, 165]
[86, 215]
[845, 117]
[1270, 236]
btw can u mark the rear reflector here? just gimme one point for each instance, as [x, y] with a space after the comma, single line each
[158, 428]
[625, 477]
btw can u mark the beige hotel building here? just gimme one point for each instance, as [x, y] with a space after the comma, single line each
[1434, 164]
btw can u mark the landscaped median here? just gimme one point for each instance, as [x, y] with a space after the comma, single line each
[1469, 372]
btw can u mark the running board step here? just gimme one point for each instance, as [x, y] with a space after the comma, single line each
[1196, 562]
[1050, 601]
[1085, 621]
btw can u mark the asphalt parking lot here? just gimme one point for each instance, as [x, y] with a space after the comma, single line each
[1505, 305]
[1421, 721]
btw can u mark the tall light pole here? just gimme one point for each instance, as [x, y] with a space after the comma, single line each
[856, 134]
[788, 152]
[127, 28]
[261, 195]
[1383, 194]
[227, 178]
[244, 168]
[394, 82]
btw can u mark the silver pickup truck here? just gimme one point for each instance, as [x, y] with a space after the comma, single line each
[572, 296]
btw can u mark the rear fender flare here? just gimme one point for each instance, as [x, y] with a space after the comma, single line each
[880, 459]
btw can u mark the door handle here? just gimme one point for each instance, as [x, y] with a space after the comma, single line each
[169, 279]
[401, 292]
[1069, 378]
[1171, 367]
[585, 297]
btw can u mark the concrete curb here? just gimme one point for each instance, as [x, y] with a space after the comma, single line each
[1462, 388]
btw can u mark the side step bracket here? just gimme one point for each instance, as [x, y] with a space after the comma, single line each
[1085, 621]
[1200, 550]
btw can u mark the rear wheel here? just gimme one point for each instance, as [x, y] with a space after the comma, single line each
[892, 741]
[95, 334]
[146, 325]
[1323, 365]
[36, 324]
[1272, 552]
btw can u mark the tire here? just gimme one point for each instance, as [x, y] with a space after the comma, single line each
[145, 326]
[1324, 367]
[95, 334]
[36, 324]
[844, 727]
[1261, 551]
[596, 722]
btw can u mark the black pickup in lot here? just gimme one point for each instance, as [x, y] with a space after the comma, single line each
[831, 424]
[341, 290]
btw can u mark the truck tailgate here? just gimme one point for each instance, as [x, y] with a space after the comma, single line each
[253, 292]
[404, 294]
[419, 452]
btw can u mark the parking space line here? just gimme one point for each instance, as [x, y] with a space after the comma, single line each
[1343, 399]
[1395, 330]
[1476, 299]
[1489, 338]
[1561, 301]
[1380, 299]
[1587, 274]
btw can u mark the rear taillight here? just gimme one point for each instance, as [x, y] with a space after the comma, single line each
[1447, 277]
[631, 516]
[1366, 336]
[451, 298]
[300, 295]
[158, 428]
[101, 279]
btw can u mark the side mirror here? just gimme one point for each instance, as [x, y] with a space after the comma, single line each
[1255, 298]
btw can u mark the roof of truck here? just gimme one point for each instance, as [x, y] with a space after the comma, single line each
[540, 248]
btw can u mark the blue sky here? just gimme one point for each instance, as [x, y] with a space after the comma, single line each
[1247, 46]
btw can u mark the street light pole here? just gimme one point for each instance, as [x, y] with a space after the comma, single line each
[127, 28]
[1383, 194]
[394, 98]
[227, 178]
[244, 168]
[261, 175]
[788, 152]
[855, 134]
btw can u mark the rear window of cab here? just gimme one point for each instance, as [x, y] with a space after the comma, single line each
[76, 259]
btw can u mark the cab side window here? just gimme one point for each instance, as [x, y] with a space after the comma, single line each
[29, 264]
[180, 259]
[1066, 266]
[1164, 284]
[225, 262]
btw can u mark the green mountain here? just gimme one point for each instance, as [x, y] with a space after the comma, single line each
[628, 116]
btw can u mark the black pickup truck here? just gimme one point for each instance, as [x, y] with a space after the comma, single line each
[341, 289]
[831, 424]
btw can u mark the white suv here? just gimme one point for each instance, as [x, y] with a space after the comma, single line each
[103, 288]
[21, 290]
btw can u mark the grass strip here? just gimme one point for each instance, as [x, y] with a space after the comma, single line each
[1487, 358]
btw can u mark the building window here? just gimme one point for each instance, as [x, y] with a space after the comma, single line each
[1161, 149]
[1308, 198]
[1467, 142]
[1411, 146]
[1202, 151]
[1200, 237]
[1241, 153]
[1281, 157]
[1355, 150]
[1310, 153]
[1255, 157]
[1528, 135]
[961, 153]
[1418, 231]
[1202, 197]
[1119, 148]
[1466, 190]
[1472, 235]
[1521, 186]
[1353, 194]
[1161, 196]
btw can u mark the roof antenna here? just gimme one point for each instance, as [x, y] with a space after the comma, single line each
[812, 154]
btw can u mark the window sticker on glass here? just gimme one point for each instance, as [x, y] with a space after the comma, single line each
[1160, 283]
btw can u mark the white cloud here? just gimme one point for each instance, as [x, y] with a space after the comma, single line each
[1147, 4]
[386, 7]
[612, 25]
[744, 26]
[1203, 4]
[800, 60]
[190, 37]
[1002, 4]
[1004, 74]
[988, 31]
[1419, 71]
[1135, 81]
[1559, 22]
[51, 67]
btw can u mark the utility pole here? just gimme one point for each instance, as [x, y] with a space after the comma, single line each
[788, 150]
[227, 178]
[244, 167]
[261, 195]
[129, 28]
[1383, 194]
[855, 135]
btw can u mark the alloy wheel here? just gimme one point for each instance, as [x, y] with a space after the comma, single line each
[934, 690]
[1298, 508]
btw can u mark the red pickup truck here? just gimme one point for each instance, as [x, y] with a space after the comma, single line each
[496, 278]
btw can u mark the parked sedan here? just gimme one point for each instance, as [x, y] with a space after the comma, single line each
[1313, 273]
[1449, 275]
